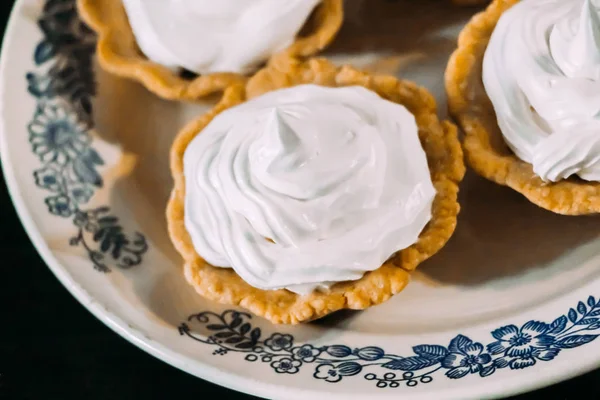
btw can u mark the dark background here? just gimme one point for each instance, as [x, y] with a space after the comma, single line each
[53, 348]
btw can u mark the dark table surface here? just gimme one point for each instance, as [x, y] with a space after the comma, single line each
[51, 347]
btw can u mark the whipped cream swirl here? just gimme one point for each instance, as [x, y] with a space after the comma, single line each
[541, 71]
[306, 186]
[205, 36]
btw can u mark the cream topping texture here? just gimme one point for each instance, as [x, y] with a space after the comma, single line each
[307, 186]
[541, 71]
[206, 36]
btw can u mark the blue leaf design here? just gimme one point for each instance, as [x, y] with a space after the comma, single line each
[587, 321]
[44, 51]
[591, 302]
[431, 351]
[558, 325]
[222, 335]
[487, 371]
[575, 341]
[349, 368]
[236, 321]
[414, 363]
[339, 351]
[505, 332]
[594, 313]
[595, 326]
[110, 220]
[255, 334]
[497, 347]
[85, 170]
[459, 343]
[546, 355]
[572, 315]
[244, 328]
[216, 327]
[370, 353]
[93, 157]
[581, 308]
[501, 362]
[457, 373]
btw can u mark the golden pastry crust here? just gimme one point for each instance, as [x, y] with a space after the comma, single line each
[118, 52]
[485, 149]
[445, 159]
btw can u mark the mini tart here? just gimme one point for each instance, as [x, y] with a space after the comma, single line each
[119, 54]
[485, 149]
[445, 159]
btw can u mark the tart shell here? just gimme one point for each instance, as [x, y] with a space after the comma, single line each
[485, 149]
[119, 54]
[445, 159]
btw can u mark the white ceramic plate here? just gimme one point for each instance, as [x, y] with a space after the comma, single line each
[507, 306]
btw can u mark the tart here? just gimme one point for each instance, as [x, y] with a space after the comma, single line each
[119, 51]
[442, 160]
[486, 148]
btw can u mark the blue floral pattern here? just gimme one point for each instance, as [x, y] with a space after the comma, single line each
[511, 347]
[59, 133]
[464, 358]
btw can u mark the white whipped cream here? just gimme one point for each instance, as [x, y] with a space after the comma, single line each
[205, 36]
[336, 178]
[541, 71]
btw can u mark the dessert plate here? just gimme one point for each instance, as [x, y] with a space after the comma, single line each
[512, 303]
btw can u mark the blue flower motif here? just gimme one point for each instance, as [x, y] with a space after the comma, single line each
[526, 360]
[307, 353]
[57, 135]
[515, 342]
[48, 178]
[327, 372]
[279, 341]
[59, 205]
[465, 357]
[286, 366]
[80, 193]
[522, 347]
